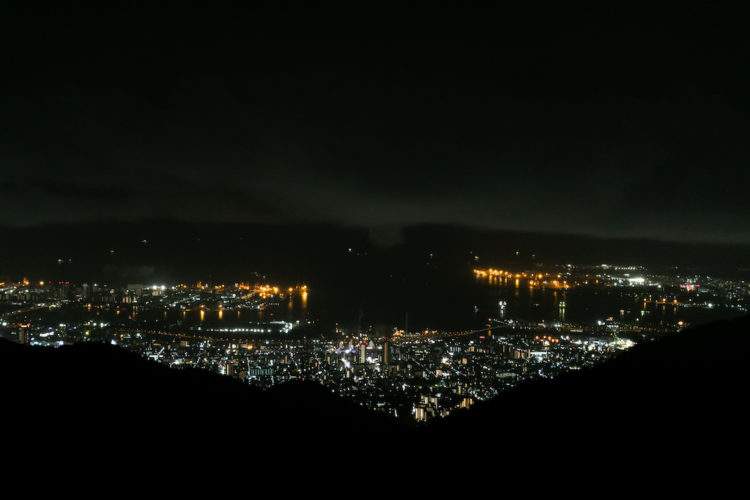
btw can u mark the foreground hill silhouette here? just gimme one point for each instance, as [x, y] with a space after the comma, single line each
[89, 388]
[665, 399]
[684, 389]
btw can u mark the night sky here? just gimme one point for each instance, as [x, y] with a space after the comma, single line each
[628, 123]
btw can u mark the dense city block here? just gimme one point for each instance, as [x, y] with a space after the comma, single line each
[264, 334]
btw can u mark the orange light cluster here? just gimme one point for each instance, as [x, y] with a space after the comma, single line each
[552, 340]
[534, 278]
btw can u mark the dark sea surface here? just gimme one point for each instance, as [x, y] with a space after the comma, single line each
[457, 306]
[463, 306]
[354, 280]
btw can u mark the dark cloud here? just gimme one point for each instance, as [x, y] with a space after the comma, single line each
[629, 123]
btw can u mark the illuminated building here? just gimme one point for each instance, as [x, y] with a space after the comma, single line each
[23, 334]
[363, 352]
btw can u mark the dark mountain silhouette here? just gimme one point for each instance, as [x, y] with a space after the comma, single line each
[684, 389]
[93, 387]
[679, 398]
[119, 252]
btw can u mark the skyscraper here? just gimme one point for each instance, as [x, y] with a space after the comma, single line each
[23, 334]
[363, 352]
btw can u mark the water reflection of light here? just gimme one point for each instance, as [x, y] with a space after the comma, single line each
[203, 314]
[221, 314]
